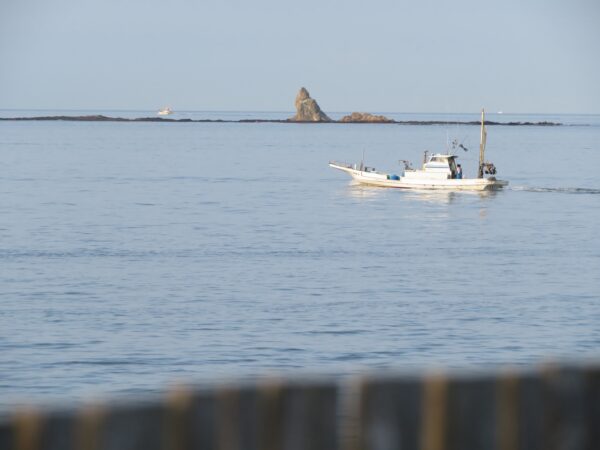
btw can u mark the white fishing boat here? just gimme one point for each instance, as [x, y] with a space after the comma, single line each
[439, 171]
[165, 112]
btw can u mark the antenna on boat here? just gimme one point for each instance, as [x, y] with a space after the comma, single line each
[456, 144]
[482, 145]
[362, 163]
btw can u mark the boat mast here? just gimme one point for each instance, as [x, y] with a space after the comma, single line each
[482, 145]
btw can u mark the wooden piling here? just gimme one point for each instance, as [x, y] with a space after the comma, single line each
[555, 408]
[434, 413]
[390, 416]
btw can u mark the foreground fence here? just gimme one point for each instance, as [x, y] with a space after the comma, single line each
[551, 408]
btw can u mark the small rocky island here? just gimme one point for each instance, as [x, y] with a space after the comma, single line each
[307, 109]
[363, 117]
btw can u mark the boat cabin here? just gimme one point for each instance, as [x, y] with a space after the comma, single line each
[441, 165]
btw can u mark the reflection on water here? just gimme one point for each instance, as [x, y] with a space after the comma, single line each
[430, 196]
[361, 191]
[447, 197]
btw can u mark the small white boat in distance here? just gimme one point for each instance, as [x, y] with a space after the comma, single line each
[165, 112]
[440, 171]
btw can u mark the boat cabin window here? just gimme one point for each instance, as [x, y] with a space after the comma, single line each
[437, 159]
[452, 163]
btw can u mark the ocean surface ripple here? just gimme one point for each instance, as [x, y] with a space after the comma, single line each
[134, 255]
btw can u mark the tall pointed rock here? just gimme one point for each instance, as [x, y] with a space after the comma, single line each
[307, 109]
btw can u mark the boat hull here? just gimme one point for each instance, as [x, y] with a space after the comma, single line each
[381, 180]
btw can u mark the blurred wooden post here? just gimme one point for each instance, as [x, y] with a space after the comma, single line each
[530, 415]
[471, 421]
[238, 419]
[592, 407]
[7, 435]
[390, 414]
[87, 434]
[136, 427]
[310, 417]
[58, 432]
[192, 421]
[507, 408]
[28, 429]
[564, 409]
[434, 413]
[177, 423]
[271, 426]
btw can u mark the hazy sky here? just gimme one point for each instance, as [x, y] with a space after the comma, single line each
[378, 56]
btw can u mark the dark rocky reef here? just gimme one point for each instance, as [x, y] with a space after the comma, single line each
[307, 109]
[101, 118]
[363, 117]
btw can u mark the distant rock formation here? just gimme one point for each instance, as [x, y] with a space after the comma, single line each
[365, 117]
[100, 118]
[307, 109]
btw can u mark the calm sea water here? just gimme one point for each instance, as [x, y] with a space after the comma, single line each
[136, 254]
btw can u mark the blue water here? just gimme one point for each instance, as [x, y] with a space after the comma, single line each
[137, 254]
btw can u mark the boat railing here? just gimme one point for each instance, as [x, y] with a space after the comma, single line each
[342, 164]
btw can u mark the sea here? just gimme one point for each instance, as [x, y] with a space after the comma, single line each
[137, 255]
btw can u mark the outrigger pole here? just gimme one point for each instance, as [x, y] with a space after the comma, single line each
[482, 145]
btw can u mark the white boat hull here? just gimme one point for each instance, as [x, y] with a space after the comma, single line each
[382, 180]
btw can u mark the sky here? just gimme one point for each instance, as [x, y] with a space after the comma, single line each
[518, 56]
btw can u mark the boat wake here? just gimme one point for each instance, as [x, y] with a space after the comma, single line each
[561, 190]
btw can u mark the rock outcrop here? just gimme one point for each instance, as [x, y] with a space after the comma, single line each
[307, 109]
[365, 117]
